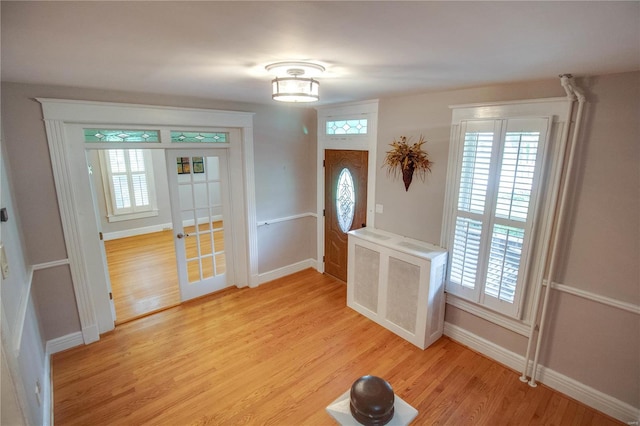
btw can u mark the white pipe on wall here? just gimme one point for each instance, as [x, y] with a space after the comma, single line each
[564, 139]
[572, 93]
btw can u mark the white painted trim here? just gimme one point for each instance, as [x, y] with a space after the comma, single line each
[51, 347]
[108, 236]
[22, 315]
[63, 343]
[559, 382]
[287, 270]
[500, 103]
[339, 110]
[523, 328]
[555, 109]
[614, 303]
[480, 311]
[592, 397]
[286, 218]
[78, 111]
[69, 216]
[250, 204]
[484, 346]
[52, 264]
[112, 218]
[63, 116]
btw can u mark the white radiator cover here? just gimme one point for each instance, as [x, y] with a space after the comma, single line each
[397, 282]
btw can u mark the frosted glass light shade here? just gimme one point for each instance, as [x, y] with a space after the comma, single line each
[295, 89]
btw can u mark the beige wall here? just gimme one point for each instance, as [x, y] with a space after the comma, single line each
[595, 344]
[284, 149]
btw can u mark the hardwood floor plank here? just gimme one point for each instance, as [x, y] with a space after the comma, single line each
[278, 355]
[143, 273]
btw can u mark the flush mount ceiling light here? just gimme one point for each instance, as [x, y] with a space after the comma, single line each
[290, 85]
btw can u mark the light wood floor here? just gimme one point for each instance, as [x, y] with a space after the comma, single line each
[278, 355]
[143, 273]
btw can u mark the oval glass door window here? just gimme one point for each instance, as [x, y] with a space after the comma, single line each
[345, 200]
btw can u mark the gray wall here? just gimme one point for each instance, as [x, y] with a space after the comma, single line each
[595, 344]
[25, 361]
[592, 343]
[284, 148]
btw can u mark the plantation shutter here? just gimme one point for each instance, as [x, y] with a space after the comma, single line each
[129, 177]
[499, 167]
[471, 210]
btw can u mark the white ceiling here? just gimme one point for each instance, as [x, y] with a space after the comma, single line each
[370, 49]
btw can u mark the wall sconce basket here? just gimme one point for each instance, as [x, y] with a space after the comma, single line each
[406, 159]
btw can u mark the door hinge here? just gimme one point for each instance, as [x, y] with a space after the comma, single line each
[323, 258]
[323, 212]
[323, 163]
[101, 236]
[110, 296]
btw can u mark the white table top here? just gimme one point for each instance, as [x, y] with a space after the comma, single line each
[341, 412]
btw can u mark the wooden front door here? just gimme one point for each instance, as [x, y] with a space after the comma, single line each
[345, 205]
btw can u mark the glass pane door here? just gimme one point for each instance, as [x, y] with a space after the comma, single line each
[199, 203]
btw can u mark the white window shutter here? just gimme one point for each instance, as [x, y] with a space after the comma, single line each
[128, 178]
[498, 171]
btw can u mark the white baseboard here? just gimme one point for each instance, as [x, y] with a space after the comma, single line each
[559, 382]
[286, 270]
[136, 231]
[52, 346]
[63, 343]
[153, 228]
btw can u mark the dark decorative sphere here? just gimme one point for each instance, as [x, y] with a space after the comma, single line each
[372, 401]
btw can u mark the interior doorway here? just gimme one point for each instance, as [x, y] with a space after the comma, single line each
[345, 205]
[132, 209]
[156, 207]
[67, 123]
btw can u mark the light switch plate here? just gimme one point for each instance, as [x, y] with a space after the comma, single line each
[4, 264]
[379, 208]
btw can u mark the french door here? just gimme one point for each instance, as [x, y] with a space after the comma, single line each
[345, 205]
[198, 187]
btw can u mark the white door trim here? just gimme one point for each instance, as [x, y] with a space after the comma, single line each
[90, 289]
[368, 142]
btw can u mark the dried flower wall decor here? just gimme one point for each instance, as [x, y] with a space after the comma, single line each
[407, 158]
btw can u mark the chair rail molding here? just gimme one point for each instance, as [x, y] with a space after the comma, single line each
[594, 297]
[286, 218]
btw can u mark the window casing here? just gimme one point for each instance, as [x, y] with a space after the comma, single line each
[499, 166]
[127, 176]
[530, 247]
